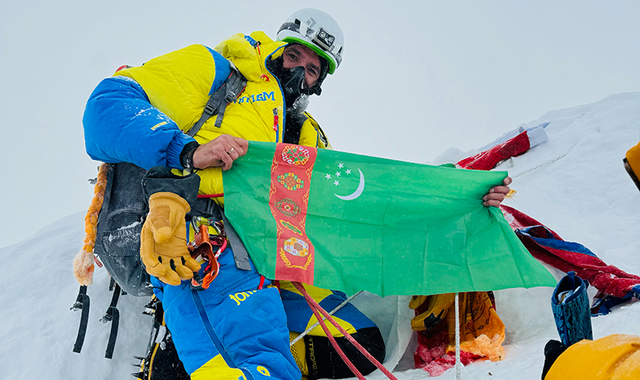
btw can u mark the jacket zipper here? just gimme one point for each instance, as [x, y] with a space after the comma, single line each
[275, 119]
[284, 107]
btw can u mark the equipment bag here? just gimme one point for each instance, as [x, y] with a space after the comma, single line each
[570, 305]
[119, 225]
[117, 243]
[122, 217]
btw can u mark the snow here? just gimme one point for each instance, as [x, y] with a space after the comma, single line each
[575, 183]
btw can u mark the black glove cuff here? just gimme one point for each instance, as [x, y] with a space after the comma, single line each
[186, 156]
[160, 179]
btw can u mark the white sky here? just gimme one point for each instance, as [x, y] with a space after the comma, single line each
[417, 77]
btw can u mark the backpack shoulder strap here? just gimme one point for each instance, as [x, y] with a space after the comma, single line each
[217, 103]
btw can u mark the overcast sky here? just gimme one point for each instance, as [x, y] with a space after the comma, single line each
[417, 78]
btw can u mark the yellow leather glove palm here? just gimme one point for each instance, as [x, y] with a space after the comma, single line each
[163, 243]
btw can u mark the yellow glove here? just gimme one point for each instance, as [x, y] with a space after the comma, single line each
[163, 243]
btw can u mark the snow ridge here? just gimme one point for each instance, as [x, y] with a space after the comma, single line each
[574, 183]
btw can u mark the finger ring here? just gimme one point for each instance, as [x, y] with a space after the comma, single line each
[231, 151]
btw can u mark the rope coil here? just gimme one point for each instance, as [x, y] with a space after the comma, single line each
[83, 262]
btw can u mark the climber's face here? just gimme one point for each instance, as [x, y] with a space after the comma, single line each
[299, 55]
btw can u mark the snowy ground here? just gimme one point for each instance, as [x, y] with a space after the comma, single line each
[575, 184]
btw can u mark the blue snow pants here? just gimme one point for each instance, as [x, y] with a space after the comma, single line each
[231, 330]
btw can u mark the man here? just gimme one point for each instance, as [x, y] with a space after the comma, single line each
[237, 327]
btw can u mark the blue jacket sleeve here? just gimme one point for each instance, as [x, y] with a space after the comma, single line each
[120, 125]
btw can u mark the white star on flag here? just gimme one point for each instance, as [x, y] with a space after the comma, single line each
[337, 174]
[328, 176]
[340, 166]
[336, 183]
[348, 171]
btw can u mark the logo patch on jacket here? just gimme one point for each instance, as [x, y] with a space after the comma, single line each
[258, 98]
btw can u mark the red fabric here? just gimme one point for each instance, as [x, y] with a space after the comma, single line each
[608, 279]
[431, 354]
[292, 166]
[488, 159]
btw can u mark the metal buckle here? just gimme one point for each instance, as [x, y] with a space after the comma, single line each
[209, 108]
[202, 247]
[231, 96]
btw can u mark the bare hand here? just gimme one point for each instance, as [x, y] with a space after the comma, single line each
[496, 194]
[221, 151]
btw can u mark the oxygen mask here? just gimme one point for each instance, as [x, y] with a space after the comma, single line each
[293, 82]
[293, 85]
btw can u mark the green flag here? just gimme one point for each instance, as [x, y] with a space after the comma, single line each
[351, 222]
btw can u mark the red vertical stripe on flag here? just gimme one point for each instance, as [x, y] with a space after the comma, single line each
[289, 201]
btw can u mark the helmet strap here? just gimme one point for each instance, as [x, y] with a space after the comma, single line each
[324, 69]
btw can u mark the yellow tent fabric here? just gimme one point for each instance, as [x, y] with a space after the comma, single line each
[614, 357]
[633, 158]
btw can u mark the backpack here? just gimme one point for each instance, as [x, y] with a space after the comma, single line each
[120, 220]
[117, 246]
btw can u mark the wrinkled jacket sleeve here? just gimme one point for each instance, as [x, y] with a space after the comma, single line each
[120, 125]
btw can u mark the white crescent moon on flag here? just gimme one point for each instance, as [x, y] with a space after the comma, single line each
[356, 193]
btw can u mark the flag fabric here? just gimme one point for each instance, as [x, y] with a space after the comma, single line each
[614, 285]
[351, 222]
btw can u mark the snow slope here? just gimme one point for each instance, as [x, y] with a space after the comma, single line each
[575, 184]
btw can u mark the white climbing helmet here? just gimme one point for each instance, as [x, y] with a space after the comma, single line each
[318, 31]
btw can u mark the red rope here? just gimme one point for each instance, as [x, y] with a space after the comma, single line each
[210, 195]
[317, 308]
[328, 333]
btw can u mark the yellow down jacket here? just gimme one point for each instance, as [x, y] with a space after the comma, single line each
[180, 83]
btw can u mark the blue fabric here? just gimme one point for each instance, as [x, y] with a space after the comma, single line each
[550, 241]
[249, 325]
[299, 313]
[250, 39]
[614, 286]
[223, 70]
[603, 306]
[572, 314]
[120, 125]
